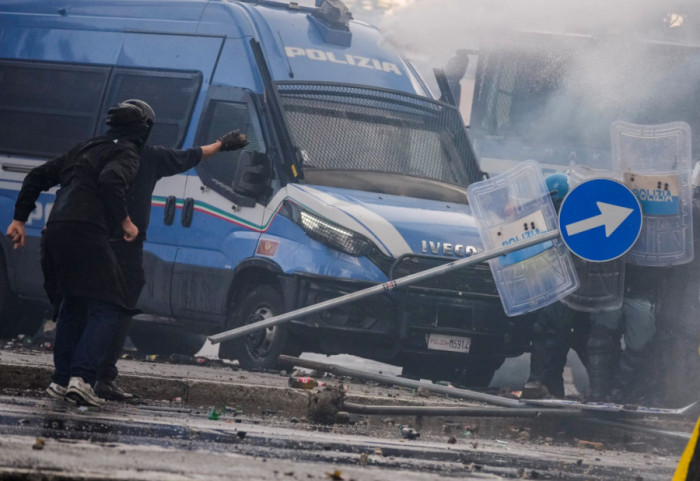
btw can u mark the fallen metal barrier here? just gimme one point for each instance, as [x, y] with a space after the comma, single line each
[399, 381]
[476, 411]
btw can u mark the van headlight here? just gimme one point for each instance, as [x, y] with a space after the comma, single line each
[331, 234]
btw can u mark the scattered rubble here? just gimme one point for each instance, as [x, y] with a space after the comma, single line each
[325, 405]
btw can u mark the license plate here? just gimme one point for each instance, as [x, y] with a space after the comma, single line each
[440, 342]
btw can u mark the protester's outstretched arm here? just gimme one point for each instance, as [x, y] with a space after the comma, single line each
[210, 149]
[233, 140]
[169, 161]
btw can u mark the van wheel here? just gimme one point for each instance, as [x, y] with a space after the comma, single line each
[10, 314]
[260, 349]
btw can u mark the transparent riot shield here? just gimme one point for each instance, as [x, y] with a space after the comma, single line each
[510, 208]
[602, 284]
[655, 161]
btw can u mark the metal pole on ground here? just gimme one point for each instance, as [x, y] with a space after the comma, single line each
[467, 411]
[385, 287]
[399, 381]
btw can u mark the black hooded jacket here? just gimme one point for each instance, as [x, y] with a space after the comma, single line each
[93, 176]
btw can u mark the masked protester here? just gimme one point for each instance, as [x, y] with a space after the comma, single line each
[81, 273]
[156, 162]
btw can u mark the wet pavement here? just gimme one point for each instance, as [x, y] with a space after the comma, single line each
[161, 441]
[209, 419]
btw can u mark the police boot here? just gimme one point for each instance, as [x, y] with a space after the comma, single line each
[536, 390]
[602, 350]
[628, 378]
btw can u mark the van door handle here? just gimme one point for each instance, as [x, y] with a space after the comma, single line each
[187, 212]
[169, 213]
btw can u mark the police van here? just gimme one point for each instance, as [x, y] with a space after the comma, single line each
[355, 174]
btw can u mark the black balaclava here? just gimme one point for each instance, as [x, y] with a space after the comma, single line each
[130, 120]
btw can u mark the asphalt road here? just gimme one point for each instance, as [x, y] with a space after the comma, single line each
[156, 441]
[263, 432]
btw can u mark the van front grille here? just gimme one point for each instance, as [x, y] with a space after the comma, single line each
[473, 279]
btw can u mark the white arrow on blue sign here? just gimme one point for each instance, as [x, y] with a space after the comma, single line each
[600, 220]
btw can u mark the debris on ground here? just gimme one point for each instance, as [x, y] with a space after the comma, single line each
[342, 417]
[336, 475]
[325, 405]
[407, 432]
[590, 444]
[305, 382]
[39, 444]
[471, 430]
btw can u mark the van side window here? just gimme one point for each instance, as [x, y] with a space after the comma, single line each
[220, 117]
[171, 94]
[45, 108]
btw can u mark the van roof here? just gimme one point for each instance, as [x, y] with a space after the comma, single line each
[296, 44]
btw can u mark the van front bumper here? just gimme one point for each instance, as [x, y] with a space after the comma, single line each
[383, 325]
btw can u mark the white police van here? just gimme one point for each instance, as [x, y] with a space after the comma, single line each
[354, 175]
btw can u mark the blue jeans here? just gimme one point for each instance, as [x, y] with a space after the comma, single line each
[84, 330]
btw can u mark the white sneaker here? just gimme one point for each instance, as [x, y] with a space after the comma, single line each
[82, 393]
[56, 391]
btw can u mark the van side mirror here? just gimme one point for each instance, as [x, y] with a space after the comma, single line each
[250, 178]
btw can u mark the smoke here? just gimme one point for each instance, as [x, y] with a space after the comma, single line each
[553, 98]
[566, 89]
[435, 28]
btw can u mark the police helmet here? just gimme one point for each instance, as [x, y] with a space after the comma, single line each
[558, 186]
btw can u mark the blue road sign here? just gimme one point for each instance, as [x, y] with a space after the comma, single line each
[600, 220]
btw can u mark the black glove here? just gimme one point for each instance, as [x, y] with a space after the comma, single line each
[233, 140]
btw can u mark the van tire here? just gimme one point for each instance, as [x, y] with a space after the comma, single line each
[258, 350]
[10, 313]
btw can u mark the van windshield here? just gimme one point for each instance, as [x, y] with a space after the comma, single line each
[358, 130]
[555, 102]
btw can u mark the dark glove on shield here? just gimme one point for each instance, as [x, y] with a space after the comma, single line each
[233, 140]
